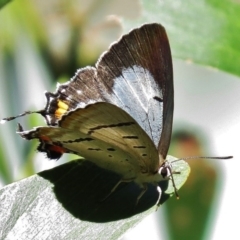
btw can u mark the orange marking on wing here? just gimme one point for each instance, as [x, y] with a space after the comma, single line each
[57, 149]
[62, 105]
[62, 108]
[45, 138]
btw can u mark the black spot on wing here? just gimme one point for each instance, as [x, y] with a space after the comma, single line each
[130, 137]
[78, 140]
[158, 99]
[123, 124]
[139, 147]
[111, 149]
[144, 155]
[94, 149]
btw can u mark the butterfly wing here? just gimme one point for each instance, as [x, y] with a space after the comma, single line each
[134, 74]
[104, 134]
[78, 92]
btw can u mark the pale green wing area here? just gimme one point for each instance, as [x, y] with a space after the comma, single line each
[106, 135]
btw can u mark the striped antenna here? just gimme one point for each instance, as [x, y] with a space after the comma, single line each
[190, 158]
[20, 115]
[202, 157]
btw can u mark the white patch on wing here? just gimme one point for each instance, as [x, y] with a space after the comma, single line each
[136, 89]
[84, 104]
[79, 92]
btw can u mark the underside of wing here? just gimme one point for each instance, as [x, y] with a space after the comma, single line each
[104, 134]
[78, 92]
[107, 156]
[134, 74]
[109, 123]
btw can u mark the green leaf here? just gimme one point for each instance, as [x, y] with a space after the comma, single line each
[66, 203]
[205, 31]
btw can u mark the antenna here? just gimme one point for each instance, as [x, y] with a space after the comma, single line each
[190, 158]
[202, 157]
[20, 115]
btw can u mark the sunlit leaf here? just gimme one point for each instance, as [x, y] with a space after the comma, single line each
[66, 203]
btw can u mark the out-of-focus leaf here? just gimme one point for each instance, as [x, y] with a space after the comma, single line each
[5, 171]
[205, 31]
[4, 2]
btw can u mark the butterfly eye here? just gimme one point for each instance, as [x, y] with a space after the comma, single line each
[165, 170]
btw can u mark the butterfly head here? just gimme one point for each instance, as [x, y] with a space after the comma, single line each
[166, 171]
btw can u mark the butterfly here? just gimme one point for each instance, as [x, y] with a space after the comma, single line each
[117, 114]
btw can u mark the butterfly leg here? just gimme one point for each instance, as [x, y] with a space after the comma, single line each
[116, 186]
[144, 189]
[159, 197]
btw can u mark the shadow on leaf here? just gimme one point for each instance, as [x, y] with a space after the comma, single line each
[80, 187]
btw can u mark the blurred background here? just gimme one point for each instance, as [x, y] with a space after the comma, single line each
[42, 43]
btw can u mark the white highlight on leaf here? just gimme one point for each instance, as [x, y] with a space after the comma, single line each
[3, 121]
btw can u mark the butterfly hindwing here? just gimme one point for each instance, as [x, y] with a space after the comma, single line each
[70, 95]
[104, 134]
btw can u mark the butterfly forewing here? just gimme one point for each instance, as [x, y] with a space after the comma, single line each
[137, 76]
